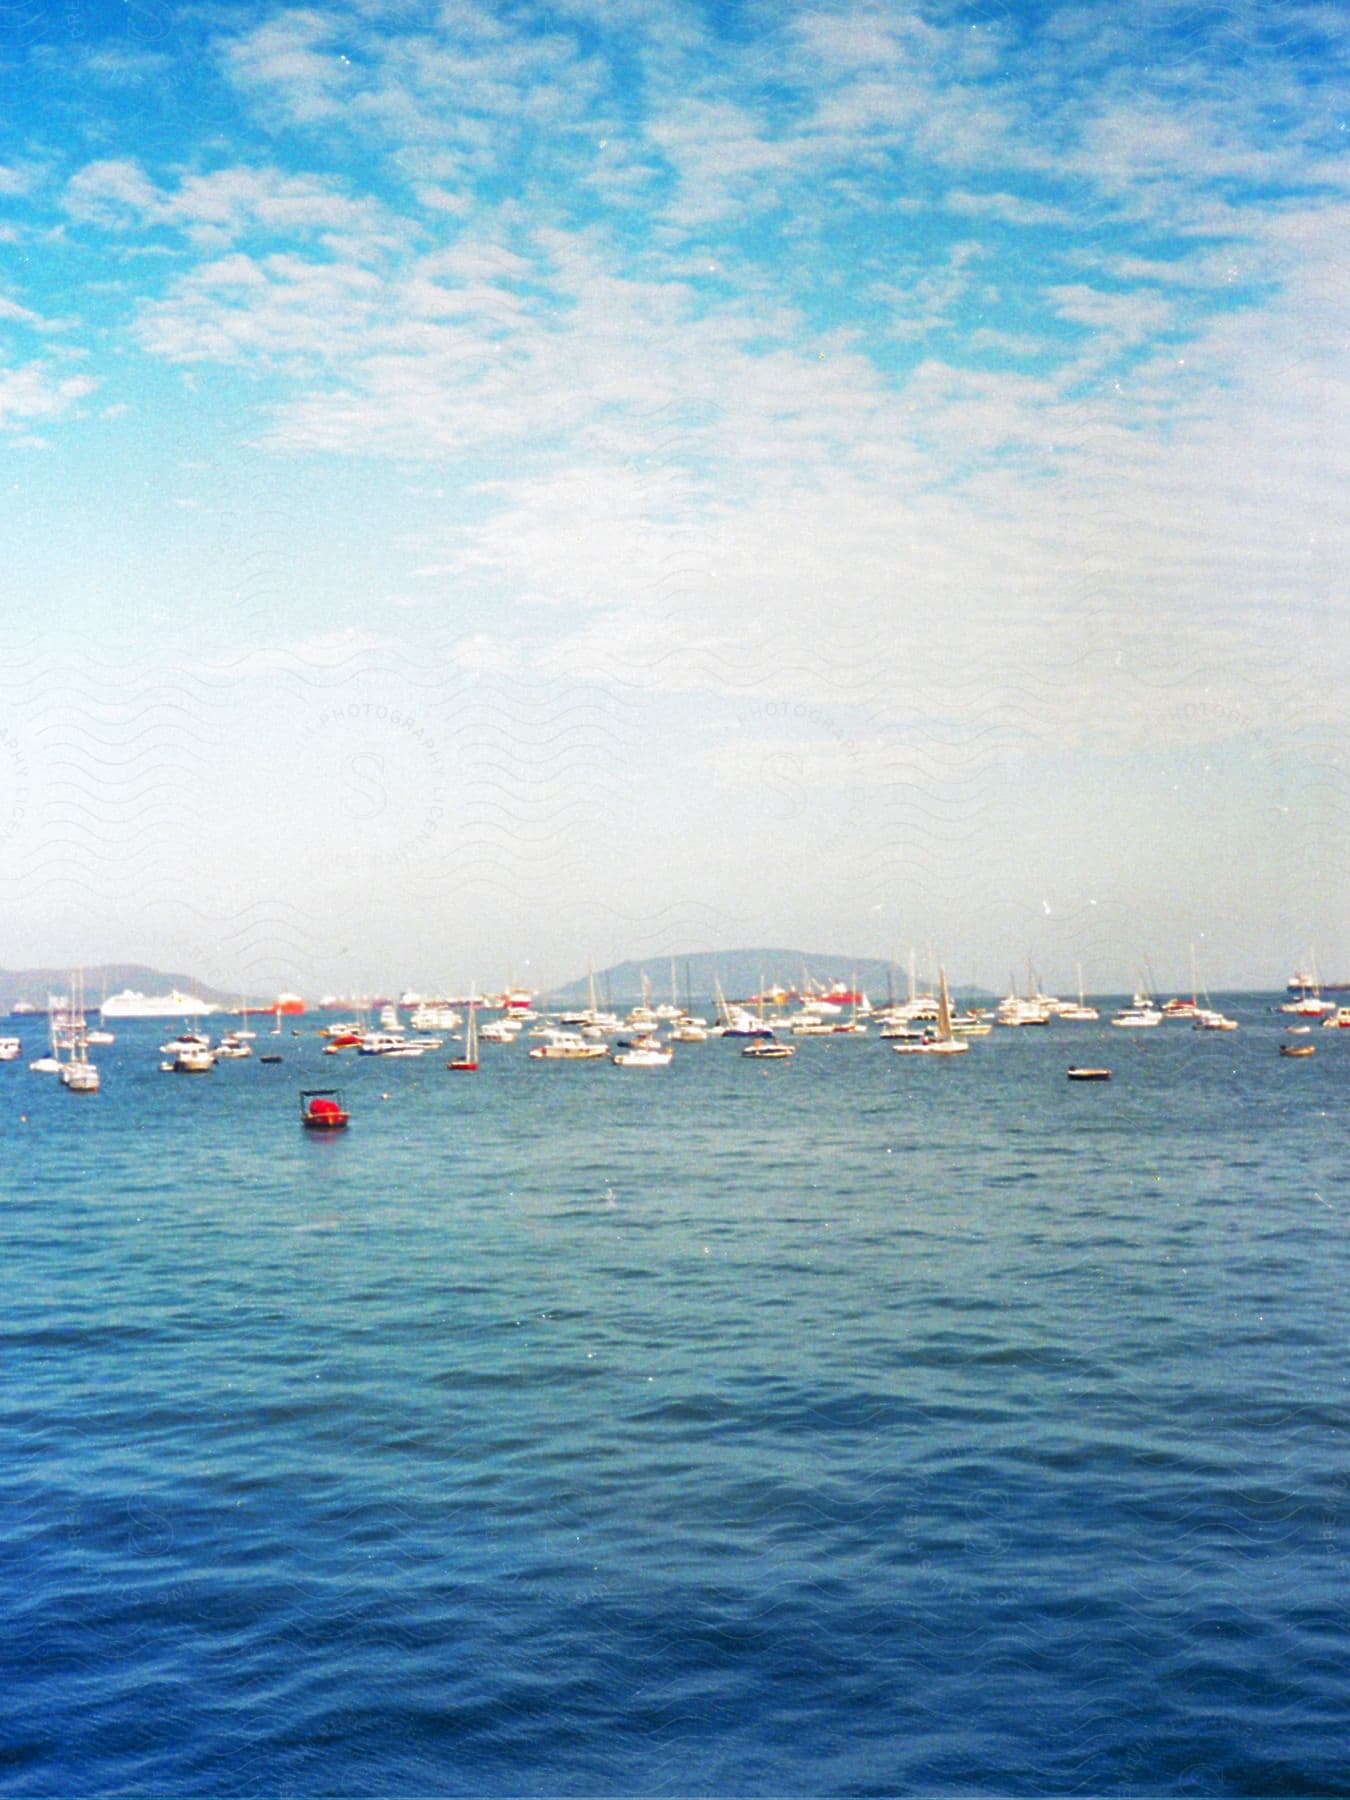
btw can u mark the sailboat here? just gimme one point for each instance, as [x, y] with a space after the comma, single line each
[51, 1063]
[468, 1063]
[78, 1074]
[942, 1040]
[1082, 1012]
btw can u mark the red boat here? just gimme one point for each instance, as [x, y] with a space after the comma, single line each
[323, 1109]
[468, 1063]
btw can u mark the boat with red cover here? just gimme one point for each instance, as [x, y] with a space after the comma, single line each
[323, 1109]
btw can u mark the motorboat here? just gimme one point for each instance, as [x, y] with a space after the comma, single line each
[190, 1059]
[567, 1046]
[768, 1049]
[10, 1049]
[1208, 1018]
[1077, 1074]
[1298, 1049]
[323, 1109]
[643, 1056]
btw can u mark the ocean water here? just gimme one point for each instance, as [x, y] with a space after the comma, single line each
[858, 1425]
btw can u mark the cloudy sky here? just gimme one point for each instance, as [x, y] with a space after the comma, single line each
[489, 486]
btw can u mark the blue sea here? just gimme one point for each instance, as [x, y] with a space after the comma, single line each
[857, 1425]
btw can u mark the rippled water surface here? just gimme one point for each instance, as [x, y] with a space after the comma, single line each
[862, 1424]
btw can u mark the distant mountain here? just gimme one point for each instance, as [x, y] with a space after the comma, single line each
[34, 985]
[741, 973]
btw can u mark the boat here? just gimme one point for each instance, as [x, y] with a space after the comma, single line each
[1139, 1015]
[941, 1040]
[323, 1109]
[1307, 992]
[131, 1004]
[1300, 982]
[434, 1015]
[1339, 1021]
[1077, 1074]
[1079, 1011]
[468, 1063]
[1309, 1006]
[78, 1074]
[567, 1046]
[768, 1049]
[643, 1056]
[190, 1059]
[269, 1059]
[291, 1004]
[1209, 1018]
[1298, 1049]
[10, 1048]
[232, 1047]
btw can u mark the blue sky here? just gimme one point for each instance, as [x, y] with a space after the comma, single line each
[491, 486]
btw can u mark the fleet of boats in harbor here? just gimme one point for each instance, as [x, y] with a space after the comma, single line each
[645, 1036]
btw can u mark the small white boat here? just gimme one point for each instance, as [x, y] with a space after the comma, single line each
[643, 1056]
[1210, 1019]
[767, 1050]
[190, 1059]
[10, 1049]
[567, 1046]
[1139, 1015]
[46, 1065]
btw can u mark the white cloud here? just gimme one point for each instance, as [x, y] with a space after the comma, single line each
[33, 393]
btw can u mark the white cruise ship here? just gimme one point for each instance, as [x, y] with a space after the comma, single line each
[130, 1004]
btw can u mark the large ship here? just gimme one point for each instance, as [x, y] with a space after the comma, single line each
[1302, 982]
[130, 1004]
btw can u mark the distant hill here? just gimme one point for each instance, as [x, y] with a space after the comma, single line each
[34, 985]
[741, 973]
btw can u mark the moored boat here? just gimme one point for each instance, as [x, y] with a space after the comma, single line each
[323, 1109]
[643, 1056]
[567, 1046]
[941, 1040]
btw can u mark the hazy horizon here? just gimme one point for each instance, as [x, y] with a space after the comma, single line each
[495, 488]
